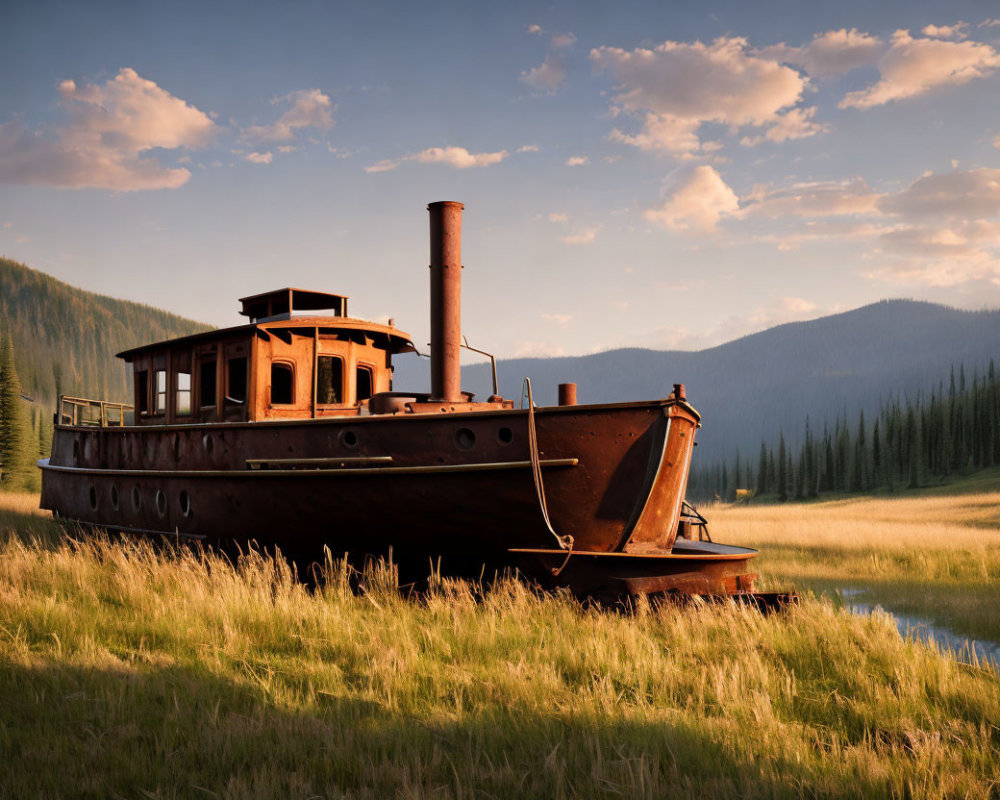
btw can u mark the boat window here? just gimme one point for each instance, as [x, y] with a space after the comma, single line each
[142, 391]
[160, 377]
[282, 383]
[236, 380]
[183, 407]
[329, 380]
[206, 393]
[365, 383]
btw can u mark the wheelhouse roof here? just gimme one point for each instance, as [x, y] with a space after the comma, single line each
[386, 337]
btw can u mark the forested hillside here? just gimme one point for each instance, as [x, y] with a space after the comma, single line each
[66, 338]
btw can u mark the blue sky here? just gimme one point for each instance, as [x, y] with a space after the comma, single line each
[635, 174]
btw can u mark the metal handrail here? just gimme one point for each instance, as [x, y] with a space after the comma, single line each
[74, 411]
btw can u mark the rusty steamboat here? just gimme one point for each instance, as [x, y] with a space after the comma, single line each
[287, 430]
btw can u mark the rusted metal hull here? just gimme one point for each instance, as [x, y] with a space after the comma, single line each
[455, 486]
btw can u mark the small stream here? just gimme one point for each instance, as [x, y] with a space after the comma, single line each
[964, 649]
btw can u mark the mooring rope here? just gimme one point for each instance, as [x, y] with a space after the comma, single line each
[565, 542]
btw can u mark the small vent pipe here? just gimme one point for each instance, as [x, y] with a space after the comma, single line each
[446, 300]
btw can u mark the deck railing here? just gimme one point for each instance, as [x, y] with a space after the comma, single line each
[83, 411]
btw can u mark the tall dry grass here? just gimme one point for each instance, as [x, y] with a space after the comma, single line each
[934, 557]
[137, 671]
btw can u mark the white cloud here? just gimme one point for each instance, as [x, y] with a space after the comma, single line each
[951, 195]
[260, 158]
[527, 148]
[535, 30]
[678, 86]
[663, 132]
[957, 31]
[108, 130]
[816, 199]
[697, 199]
[558, 319]
[537, 350]
[577, 161]
[830, 54]
[797, 123]
[586, 236]
[457, 157]
[996, 141]
[547, 76]
[914, 66]
[938, 256]
[310, 108]
[563, 40]
[558, 217]
[989, 23]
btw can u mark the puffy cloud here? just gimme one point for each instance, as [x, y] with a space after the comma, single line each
[551, 73]
[558, 217]
[950, 195]
[527, 148]
[816, 199]
[940, 256]
[260, 158]
[664, 132]
[109, 127]
[535, 30]
[577, 161]
[797, 123]
[547, 76]
[309, 108]
[586, 236]
[831, 53]
[957, 31]
[913, 66]
[457, 157]
[677, 86]
[696, 200]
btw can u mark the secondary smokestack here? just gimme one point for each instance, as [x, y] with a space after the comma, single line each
[446, 300]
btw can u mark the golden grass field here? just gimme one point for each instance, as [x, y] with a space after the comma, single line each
[131, 670]
[936, 557]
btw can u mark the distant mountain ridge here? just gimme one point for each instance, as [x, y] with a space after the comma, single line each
[746, 390]
[750, 388]
[57, 327]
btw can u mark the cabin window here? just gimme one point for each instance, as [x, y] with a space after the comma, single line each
[329, 380]
[160, 378]
[142, 391]
[206, 383]
[365, 383]
[236, 380]
[282, 383]
[183, 407]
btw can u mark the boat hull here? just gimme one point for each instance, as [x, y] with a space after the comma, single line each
[452, 486]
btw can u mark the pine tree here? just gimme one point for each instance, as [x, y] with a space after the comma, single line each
[15, 428]
[782, 469]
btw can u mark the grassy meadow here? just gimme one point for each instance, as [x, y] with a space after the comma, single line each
[933, 556]
[129, 670]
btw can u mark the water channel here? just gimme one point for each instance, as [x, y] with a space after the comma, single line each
[970, 651]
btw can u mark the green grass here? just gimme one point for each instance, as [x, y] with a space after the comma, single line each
[132, 671]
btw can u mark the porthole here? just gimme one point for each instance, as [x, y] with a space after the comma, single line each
[136, 498]
[161, 503]
[505, 435]
[115, 499]
[92, 496]
[465, 438]
[185, 504]
[207, 443]
[349, 439]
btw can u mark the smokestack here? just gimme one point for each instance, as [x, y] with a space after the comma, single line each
[446, 300]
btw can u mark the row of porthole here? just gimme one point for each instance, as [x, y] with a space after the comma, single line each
[159, 500]
[465, 438]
